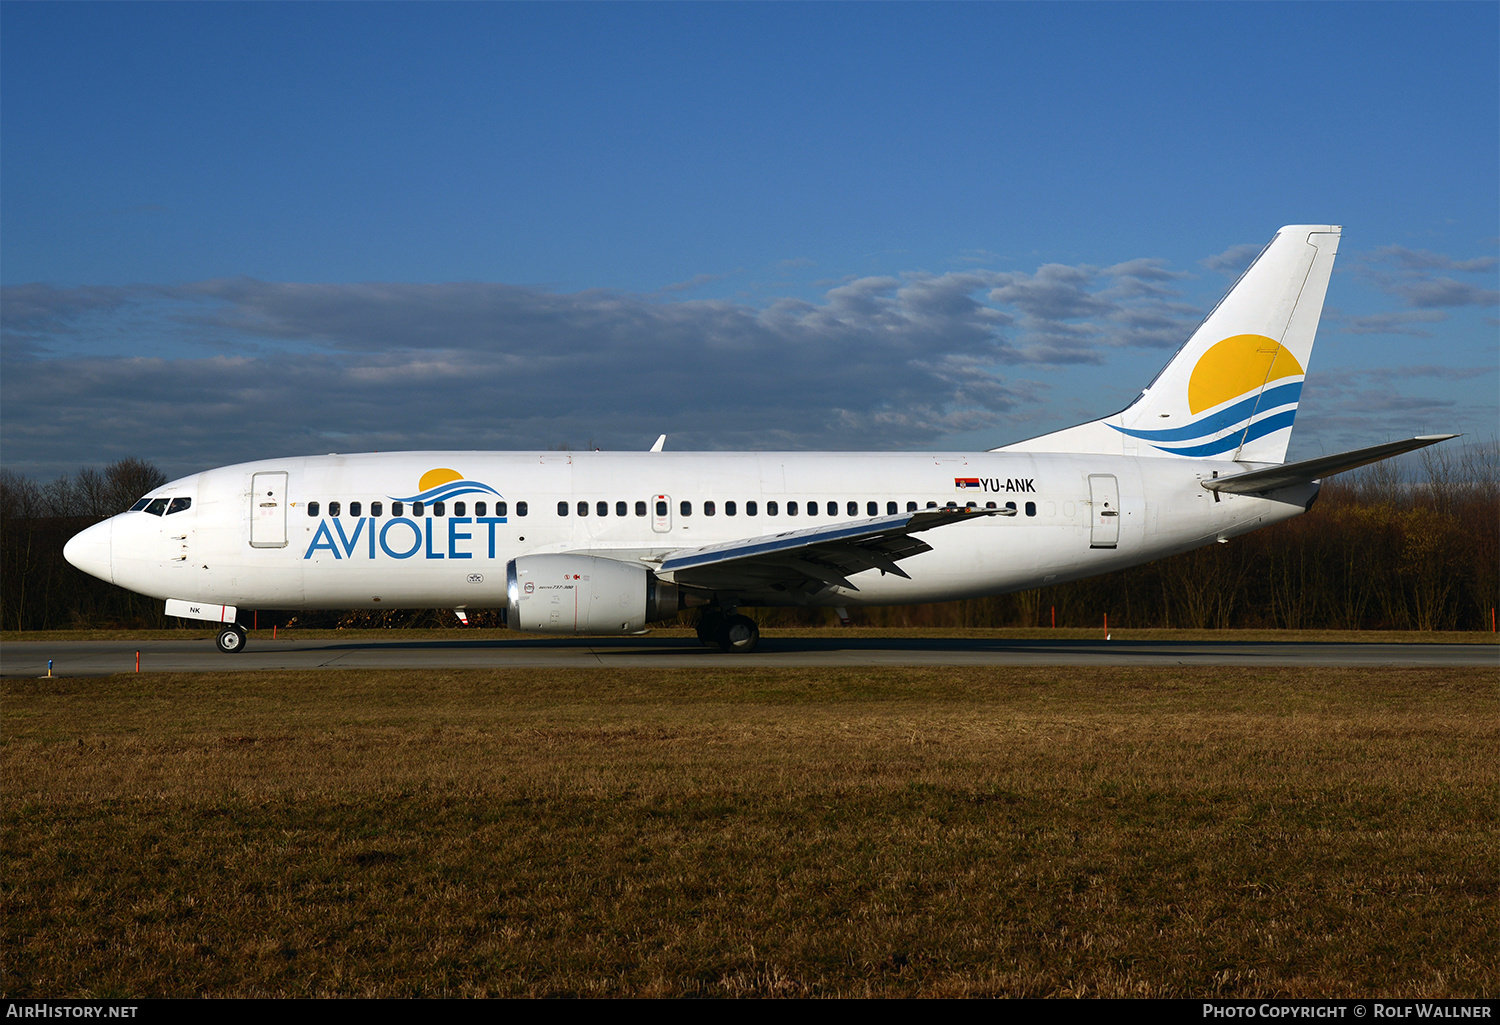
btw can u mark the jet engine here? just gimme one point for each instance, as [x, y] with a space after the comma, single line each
[573, 594]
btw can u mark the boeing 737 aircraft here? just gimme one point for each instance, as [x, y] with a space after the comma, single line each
[607, 542]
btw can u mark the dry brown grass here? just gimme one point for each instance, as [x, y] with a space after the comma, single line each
[1039, 831]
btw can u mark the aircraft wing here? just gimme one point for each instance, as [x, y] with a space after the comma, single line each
[1257, 482]
[809, 560]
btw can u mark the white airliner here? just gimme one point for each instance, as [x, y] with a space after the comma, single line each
[606, 542]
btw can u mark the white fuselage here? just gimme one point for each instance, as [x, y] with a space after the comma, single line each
[1076, 516]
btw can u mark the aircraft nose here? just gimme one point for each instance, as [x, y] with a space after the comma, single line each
[89, 550]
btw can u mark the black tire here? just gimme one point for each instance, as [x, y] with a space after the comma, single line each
[739, 634]
[231, 640]
[710, 625]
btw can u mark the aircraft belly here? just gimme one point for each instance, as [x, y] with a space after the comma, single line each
[348, 584]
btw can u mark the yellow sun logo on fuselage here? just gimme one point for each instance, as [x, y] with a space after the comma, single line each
[1236, 365]
[441, 475]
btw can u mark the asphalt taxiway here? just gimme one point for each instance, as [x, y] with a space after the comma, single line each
[100, 658]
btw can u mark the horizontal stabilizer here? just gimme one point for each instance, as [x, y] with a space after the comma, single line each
[1258, 482]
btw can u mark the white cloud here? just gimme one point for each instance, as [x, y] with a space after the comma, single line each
[244, 368]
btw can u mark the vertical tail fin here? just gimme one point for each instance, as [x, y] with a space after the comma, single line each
[1231, 391]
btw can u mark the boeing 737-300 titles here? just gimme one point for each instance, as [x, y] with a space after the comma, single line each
[607, 542]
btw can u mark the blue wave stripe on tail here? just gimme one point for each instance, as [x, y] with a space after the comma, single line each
[1259, 429]
[1271, 398]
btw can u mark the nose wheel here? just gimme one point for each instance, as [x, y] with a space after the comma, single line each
[231, 639]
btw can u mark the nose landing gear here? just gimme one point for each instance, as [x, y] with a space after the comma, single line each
[231, 639]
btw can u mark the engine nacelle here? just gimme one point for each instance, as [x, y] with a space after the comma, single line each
[573, 594]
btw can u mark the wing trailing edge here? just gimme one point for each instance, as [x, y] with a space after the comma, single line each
[815, 557]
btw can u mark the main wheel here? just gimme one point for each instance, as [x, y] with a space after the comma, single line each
[710, 625]
[231, 639]
[739, 634]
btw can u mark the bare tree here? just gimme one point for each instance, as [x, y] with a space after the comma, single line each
[126, 481]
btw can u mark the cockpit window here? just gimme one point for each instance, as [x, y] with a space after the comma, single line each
[179, 504]
[139, 505]
[157, 506]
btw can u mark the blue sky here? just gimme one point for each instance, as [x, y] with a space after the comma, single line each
[234, 231]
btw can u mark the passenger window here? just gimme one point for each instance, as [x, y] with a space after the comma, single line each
[354, 508]
[1030, 508]
[890, 508]
[1011, 506]
[458, 509]
[791, 508]
[971, 505]
[397, 508]
[562, 508]
[708, 508]
[437, 508]
[686, 508]
[661, 508]
[417, 507]
[179, 504]
[601, 508]
[932, 505]
[479, 508]
[621, 509]
[750, 509]
[771, 509]
[312, 507]
[872, 508]
[812, 508]
[952, 505]
[333, 508]
[729, 509]
[583, 508]
[911, 507]
[833, 508]
[500, 508]
[852, 509]
[640, 509]
[375, 508]
[989, 505]
[520, 509]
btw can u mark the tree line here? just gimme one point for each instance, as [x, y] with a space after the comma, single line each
[1384, 548]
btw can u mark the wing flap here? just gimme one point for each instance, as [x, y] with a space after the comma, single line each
[816, 557]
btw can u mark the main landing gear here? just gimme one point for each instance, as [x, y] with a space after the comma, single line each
[729, 632]
[231, 639]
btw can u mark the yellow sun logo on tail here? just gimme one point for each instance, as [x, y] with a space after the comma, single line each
[1238, 364]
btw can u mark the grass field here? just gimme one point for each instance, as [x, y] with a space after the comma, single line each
[901, 832]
